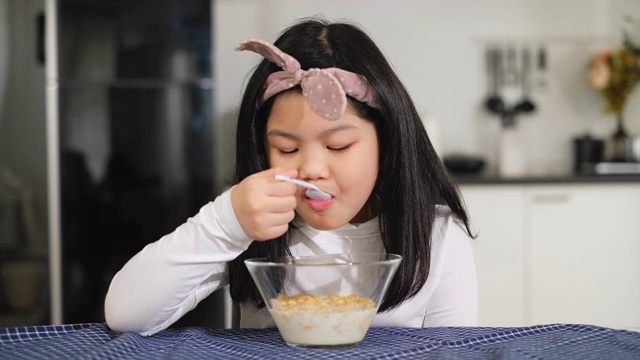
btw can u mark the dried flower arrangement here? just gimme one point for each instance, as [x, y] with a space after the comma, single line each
[614, 74]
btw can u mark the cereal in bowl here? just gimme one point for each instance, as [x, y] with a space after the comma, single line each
[322, 320]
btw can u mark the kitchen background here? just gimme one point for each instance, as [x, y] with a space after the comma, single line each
[191, 86]
[438, 50]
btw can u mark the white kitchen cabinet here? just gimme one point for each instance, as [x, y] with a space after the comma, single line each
[557, 253]
[584, 249]
[497, 214]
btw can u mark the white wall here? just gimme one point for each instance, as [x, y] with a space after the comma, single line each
[437, 48]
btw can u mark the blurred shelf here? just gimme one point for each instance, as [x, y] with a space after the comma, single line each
[15, 253]
[11, 318]
[203, 83]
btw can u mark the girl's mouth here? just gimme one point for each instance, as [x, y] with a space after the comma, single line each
[317, 205]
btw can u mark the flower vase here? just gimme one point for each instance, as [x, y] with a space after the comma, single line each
[619, 142]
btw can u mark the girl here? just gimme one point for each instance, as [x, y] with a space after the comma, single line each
[326, 107]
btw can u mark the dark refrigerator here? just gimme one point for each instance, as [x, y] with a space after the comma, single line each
[130, 117]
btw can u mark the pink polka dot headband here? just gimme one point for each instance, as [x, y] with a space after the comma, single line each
[326, 90]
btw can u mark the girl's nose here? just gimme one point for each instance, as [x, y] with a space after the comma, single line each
[313, 165]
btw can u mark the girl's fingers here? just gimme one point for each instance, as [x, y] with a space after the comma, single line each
[279, 204]
[272, 225]
[263, 205]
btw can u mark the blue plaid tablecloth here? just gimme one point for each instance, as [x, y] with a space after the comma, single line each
[96, 341]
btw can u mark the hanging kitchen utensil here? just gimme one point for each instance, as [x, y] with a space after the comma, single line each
[511, 66]
[525, 105]
[494, 60]
[540, 81]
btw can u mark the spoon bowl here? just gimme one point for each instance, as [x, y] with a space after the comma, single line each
[313, 191]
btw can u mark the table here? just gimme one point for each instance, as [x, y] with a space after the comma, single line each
[96, 341]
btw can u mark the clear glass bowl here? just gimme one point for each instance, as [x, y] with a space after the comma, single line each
[324, 301]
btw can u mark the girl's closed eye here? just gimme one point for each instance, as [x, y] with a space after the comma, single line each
[339, 148]
[286, 152]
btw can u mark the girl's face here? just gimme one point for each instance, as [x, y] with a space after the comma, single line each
[340, 157]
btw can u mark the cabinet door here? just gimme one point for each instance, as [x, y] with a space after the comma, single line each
[497, 216]
[584, 248]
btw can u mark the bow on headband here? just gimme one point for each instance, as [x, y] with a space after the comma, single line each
[326, 90]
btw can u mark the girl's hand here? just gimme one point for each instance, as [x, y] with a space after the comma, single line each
[263, 205]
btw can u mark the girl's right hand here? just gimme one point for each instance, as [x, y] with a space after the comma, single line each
[263, 205]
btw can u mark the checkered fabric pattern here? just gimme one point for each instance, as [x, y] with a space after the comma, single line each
[96, 341]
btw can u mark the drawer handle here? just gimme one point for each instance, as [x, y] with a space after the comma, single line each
[551, 199]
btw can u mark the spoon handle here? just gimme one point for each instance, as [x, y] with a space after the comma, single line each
[297, 182]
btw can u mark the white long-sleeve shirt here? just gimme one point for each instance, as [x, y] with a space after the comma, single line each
[171, 276]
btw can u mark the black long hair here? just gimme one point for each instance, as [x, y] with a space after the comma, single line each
[411, 178]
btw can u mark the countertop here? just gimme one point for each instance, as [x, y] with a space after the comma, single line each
[490, 179]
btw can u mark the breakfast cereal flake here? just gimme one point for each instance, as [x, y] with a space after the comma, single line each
[334, 303]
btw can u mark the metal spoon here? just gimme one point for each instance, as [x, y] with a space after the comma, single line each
[313, 193]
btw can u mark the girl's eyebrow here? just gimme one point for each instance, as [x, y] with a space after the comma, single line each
[341, 127]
